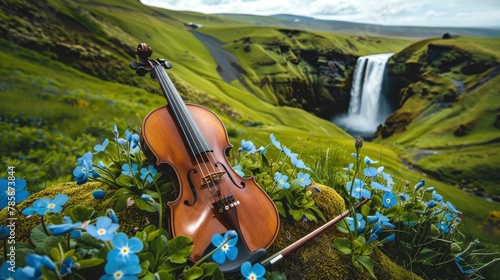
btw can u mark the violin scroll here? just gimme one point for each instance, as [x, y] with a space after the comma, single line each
[145, 65]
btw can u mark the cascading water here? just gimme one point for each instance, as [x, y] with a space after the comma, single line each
[369, 106]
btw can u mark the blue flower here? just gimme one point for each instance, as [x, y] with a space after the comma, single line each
[370, 161]
[125, 249]
[419, 185]
[148, 173]
[450, 216]
[16, 191]
[34, 264]
[443, 227]
[389, 200]
[68, 266]
[111, 214]
[101, 147]
[361, 222]
[119, 269]
[304, 179]
[431, 204]
[378, 186]
[437, 197]
[452, 208]
[430, 189]
[247, 146]
[281, 180]
[134, 139]
[372, 238]
[238, 171]
[275, 142]
[351, 165]
[388, 179]
[358, 191]
[7, 274]
[390, 238]
[64, 228]
[370, 172]
[85, 169]
[43, 205]
[115, 130]
[126, 170]
[228, 249]
[147, 197]
[98, 194]
[261, 150]
[255, 272]
[404, 197]
[457, 261]
[103, 230]
[380, 219]
[299, 163]
[289, 153]
[354, 155]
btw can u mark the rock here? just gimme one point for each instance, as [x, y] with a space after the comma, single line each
[446, 36]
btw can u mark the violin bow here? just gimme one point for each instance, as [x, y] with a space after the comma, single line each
[299, 243]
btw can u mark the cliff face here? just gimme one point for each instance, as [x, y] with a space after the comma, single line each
[446, 124]
[296, 71]
[433, 73]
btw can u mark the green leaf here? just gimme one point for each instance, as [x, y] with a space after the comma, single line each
[53, 242]
[54, 218]
[296, 214]
[343, 227]
[86, 263]
[343, 245]
[193, 273]
[281, 208]
[147, 276]
[79, 213]
[54, 253]
[366, 261]
[144, 205]
[209, 269]
[426, 256]
[165, 275]
[144, 269]
[179, 249]
[124, 181]
[38, 236]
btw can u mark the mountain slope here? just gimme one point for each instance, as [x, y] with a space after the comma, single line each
[448, 122]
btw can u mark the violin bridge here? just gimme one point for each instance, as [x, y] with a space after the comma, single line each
[212, 178]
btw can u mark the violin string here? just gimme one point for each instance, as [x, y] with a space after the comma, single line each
[186, 131]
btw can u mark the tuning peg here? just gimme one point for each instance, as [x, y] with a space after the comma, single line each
[141, 71]
[167, 65]
[134, 65]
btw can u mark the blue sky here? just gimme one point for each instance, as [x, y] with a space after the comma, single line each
[459, 13]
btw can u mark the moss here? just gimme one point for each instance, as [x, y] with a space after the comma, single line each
[318, 259]
[131, 218]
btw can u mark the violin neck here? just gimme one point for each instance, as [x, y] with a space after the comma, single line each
[193, 136]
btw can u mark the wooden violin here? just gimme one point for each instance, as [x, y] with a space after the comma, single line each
[191, 143]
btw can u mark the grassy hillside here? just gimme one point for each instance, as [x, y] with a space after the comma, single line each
[448, 124]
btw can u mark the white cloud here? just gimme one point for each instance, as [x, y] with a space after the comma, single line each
[388, 12]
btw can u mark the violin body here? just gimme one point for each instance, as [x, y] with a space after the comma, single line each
[212, 197]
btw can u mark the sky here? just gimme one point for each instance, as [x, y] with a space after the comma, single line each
[448, 13]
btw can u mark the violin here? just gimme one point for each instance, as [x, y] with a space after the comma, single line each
[190, 143]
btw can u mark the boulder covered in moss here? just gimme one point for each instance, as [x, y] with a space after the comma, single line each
[318, 259]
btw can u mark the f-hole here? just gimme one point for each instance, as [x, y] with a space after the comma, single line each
[230, 177]
[193, 189]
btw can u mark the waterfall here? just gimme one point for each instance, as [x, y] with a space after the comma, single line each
[369, 106]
